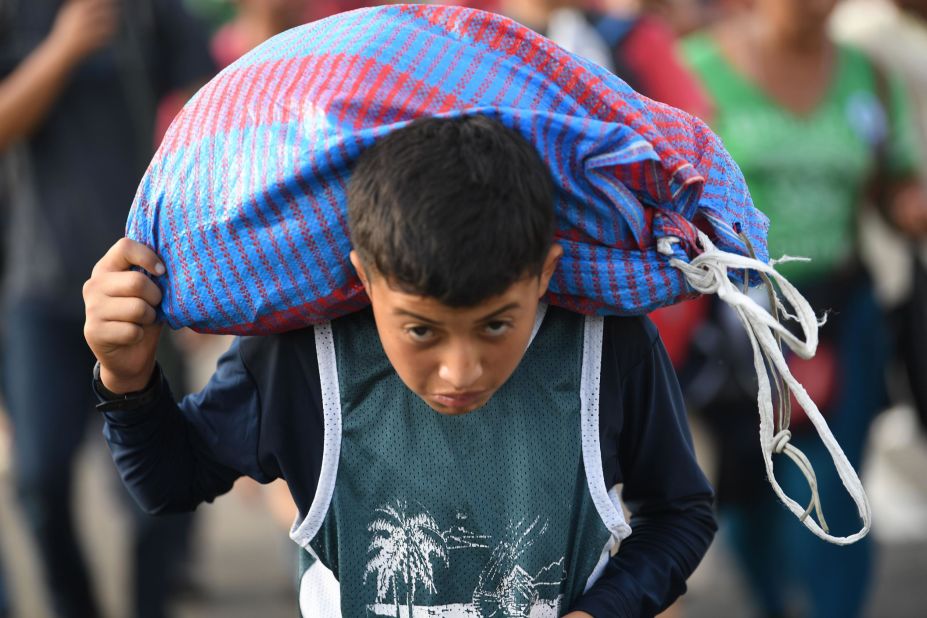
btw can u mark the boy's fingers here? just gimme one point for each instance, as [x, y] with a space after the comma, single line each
[132, 284]
[127, 253]
[131, 310]
[116, 333]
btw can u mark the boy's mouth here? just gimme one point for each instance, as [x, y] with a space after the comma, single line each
[459, 402]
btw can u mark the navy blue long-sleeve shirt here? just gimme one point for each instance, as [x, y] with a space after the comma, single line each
[261, 416]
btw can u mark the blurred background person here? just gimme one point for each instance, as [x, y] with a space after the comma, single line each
[894, 33]
[813, 125]
[80, 81]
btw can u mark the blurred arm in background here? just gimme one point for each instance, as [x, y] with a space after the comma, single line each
[28, 92]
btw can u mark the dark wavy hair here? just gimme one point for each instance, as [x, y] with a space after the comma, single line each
[457, 209]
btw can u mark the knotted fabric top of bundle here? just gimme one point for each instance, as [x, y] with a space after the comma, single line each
[245, 201]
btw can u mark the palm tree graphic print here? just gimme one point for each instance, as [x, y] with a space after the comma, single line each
[407, 545]
[403, 547]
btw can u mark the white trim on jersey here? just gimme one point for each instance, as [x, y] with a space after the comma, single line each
[319, 591]
[604, 557]
[304, 531]
[606, 502]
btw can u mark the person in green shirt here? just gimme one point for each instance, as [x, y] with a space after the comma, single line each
[812, 125]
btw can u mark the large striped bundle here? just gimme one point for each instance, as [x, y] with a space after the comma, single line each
[245, 200]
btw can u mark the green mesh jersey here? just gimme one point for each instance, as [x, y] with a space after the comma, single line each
[500, 512]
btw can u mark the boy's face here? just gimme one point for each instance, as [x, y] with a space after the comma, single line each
[455, 359]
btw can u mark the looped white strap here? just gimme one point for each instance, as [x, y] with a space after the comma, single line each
[781, 440]
[707, 273]
[780, 445]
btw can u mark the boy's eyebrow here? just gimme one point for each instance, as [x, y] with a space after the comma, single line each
[512, 305]
[421, 318]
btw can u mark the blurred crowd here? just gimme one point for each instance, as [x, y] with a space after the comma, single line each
[822, 103]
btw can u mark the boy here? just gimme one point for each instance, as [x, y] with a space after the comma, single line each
[452, 448]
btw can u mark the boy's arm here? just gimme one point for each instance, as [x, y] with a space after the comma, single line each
[173, 457]
[169, 459]
[643, 417]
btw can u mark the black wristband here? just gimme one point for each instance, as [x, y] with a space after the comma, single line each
[110, 401]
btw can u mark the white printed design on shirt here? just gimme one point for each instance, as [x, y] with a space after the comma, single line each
[408, 547]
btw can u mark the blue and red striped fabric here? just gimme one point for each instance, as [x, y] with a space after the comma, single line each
[245, 199]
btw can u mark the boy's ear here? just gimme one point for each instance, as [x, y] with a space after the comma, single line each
[550, 265]
[359, 267]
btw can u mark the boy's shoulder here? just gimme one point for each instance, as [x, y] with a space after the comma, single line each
[299, 344]
[636, 331]
[291, 356]
[283, 356]
[626, 340]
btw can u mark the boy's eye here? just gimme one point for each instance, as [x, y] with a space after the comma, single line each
[420, 333]
[497, 328]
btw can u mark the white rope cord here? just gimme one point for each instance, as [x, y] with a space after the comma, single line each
[708, 274]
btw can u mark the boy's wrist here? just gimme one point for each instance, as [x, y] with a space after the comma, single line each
[127, 401]
[121, 386]
[112, 387]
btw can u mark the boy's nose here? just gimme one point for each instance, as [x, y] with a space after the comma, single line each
[461, 368]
